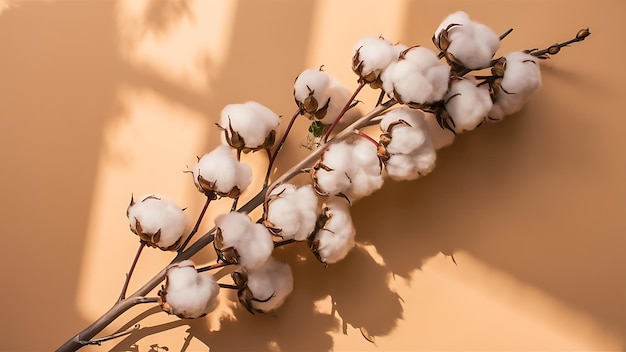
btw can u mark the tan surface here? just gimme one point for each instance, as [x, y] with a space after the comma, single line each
[102, 99]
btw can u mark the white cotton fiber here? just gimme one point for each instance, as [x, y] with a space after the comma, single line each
[416, 77]
[253, 122]
[222, 173]
[293, 211]
[252, 241]
[471, 43]
[189, 294]
[467, 104]
[273, 279]
[371, 56]
[335, 239]
[154, 213]
[522, 77]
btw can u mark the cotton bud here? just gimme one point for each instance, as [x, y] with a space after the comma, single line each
[158, 221]
[407, 150]
[335, 237]
[521, 78]
[291, 212]
[349, 168]
[264, 289]
[249, 126]
[417, 78]
[187, 293]
[371, 56]
[466, 43]
[240, 241]
[219, 172]
[440, 137]
[321, 97]
[467, 104]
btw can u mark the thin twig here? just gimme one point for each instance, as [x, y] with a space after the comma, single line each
[209, 197]
[279, 146]
[344, 110]
[130, 271]
[111, 337]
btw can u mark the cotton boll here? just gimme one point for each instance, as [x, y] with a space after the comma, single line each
[467, 104]
[220, 172]
[187, 293]
[334, 240]
[400, 167]
[292, 212]
[522, 77]
[256, 248]
[404, 123]
[416, 78]
[407, 163]
[371, 56]
[240, 241]
[440, 137]
[310, 90]
[330, 176]
[366, 174]
[273, 279]
[465, 42]
[249, 126]
[158, 221]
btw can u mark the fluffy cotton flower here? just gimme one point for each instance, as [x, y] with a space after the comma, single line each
[240, 241]
[465, 42]
[351, 168]
[371, 56]
[522, 77]
[321, 97]
[265, 288]
[406, 148]
[416, 78]
[220, 172]
[291, 212]
[334, 240]
[249, 126]
[440, 137]
[158, 221]
[467, 104]
[187, 293]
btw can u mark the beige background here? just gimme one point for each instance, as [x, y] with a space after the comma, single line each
[101, 99]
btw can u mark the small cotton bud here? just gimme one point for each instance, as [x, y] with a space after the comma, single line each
[158, 221]
[291, 212]
[187, 293]
[240, 241]
[266, 288]
[221, 173]
[249, 126]
[335, 237]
